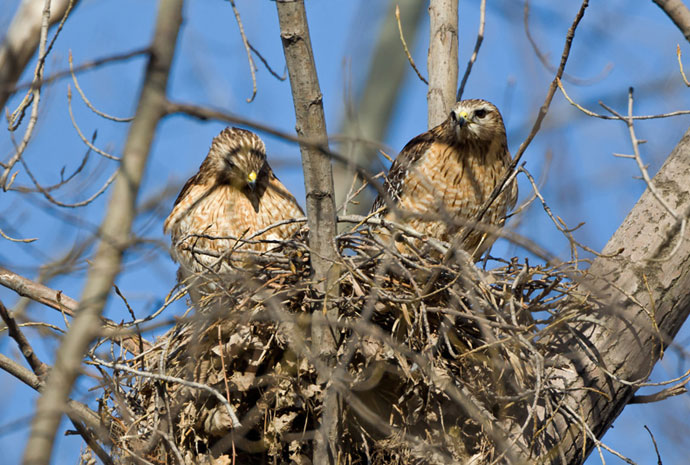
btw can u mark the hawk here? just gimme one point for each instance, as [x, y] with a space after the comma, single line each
[441, 178]
[220, 210]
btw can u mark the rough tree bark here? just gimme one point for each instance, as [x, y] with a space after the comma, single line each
[115, 232]
[321, 214]
[442, 62]
[642, 280]
[21, 41]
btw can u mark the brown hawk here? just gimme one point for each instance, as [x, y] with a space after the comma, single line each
[441, 178]
[216, 218]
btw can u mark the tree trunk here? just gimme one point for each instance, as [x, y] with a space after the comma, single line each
[641, 290]
[442, 62]
[321, 214]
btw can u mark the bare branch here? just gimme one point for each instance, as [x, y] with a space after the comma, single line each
[38, 292]
[265, 62]
[36, 365]
[82, 67]
[625, 331]
[252, 66]
[88, 143]
[407, 50]
[86, 100]
[34, 97]
[172, 379]
[542, 111]
[12, 239]
[616, 116]
[77, 411]
[679, 14]
[545, 60]
[21, 41]
[116, 230]
[321, 212]
[475, 52]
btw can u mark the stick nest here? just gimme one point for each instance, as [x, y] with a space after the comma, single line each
[428, 354]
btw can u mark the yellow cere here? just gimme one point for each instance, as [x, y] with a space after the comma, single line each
[252, 176]
[464, 114]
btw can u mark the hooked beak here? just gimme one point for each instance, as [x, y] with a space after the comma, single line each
[461, 118]
[251, 180]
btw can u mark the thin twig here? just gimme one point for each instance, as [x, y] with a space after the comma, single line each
[545, 61]
[54, 201]
[252, 66]
[12, 239]
[81, 135]
[82, 67]
[407, 50]
[87, 101]
[636, 150]
[171, 379]
[656, 448]
[265, 62]
[680, 65]
[475, 52]
[617, 117]
[32, 96]
[543, 110]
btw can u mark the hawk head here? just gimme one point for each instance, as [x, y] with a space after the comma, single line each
[475, 120]
[238, 157]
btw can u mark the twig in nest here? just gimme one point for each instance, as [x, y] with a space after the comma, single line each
[171, 379]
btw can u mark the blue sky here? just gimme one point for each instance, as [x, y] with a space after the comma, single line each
[620, 43]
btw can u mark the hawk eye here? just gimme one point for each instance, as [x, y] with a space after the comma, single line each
[481, 113]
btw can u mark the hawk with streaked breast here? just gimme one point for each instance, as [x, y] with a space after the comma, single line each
[220, 210]
[441, 178]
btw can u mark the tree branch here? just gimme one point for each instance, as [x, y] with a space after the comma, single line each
[60, 302]
[642, 302]
[38, 367]
[442, 63]
[21, 41]
[679, 14]
[116, 230]
[321, 214]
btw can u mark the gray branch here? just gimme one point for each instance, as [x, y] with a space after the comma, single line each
[21, 41]
[679, 14]
[318, 180]
[116, 233]
[643, 295]
[442, 62]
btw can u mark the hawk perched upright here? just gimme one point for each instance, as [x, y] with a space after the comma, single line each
[221, 208]
[441, 178]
